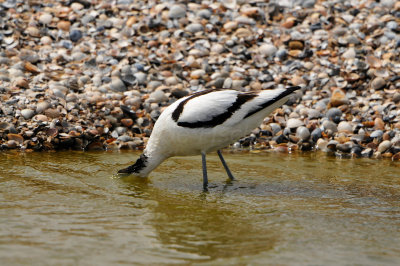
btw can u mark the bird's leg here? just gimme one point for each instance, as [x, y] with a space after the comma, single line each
[231, 177]
[205, 179]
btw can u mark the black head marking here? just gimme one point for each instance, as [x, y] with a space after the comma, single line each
[137, 167]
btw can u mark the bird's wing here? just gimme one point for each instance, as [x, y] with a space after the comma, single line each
[267, 98]
[209, 108]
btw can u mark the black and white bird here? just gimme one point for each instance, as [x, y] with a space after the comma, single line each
[206, 121]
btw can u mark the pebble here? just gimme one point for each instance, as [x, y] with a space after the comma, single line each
[345, 126]
[157, 96]
[45, 18]
[303, 133]
[378, 83]
[42, 106]
[294, 123]
[334, 114]
[377, 134]
[384, 146]
[177, 11]
[75, 35]
[267, 49]
[117, 85]
[329, 125]
[52, 113]
[349, 54]
[27, 113]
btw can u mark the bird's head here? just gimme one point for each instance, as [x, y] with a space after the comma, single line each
[138, 168]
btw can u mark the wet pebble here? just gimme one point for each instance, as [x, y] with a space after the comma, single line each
[384, 146]
[303, 133]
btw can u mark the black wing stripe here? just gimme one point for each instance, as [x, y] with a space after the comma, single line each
[179, 109]
[221, 118]
[287, 92]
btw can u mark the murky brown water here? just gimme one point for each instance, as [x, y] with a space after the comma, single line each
[68, 208]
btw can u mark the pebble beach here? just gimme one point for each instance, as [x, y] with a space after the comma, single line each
[95, 75]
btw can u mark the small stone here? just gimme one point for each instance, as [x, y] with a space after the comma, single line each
[178, 93]
[377, 134]
[22, 83]
[345, 127]
[396, 157]
[15, 137]
[157, 96]
[384, 146]
[11, 144]
[42, 106]
[141, 78]
[45, 18]
[75, 35]
[52, 113]
[334, 114]
[294, 123]
[194, 27]
[316, 134]
[127, 122]
[345, 147]
[27, 113]
[338, 98]
[177, 11]
[329, 125]
[117, 85]
[379, 124]
[322, 145]
[4, 125]
[349, 54]
[332, 145]
[46, 40]
[63, 25]
[302, 133]
[378, 83]
[296, 45]
[267, 50]
[367, 153]
[42, 118]
[197, 74]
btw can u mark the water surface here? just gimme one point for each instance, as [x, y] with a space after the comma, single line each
[69, 208]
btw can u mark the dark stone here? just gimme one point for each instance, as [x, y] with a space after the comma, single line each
[334, 114]
[75, 35]
[280, 139]
[316, 134]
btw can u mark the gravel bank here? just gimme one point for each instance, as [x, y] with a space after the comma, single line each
[93, 75]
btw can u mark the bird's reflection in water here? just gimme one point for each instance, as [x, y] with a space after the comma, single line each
[202, 223]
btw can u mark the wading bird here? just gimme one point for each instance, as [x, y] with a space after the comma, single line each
[206, 121]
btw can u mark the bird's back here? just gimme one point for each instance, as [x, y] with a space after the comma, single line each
[213, 119]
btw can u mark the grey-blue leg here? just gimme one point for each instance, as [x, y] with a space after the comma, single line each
[225, 165]
[205, 179]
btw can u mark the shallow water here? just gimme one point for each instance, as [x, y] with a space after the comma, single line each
[68, 208]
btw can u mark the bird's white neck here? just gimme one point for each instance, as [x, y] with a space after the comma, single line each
[152, 159]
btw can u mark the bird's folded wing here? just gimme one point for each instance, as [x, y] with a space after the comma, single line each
[209, 108]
